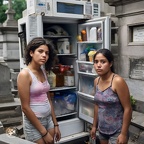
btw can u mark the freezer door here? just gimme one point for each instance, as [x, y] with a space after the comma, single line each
[86, 108]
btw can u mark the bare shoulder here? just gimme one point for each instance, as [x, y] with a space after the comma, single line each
[23, 74]
[96, 80]
[118, 79]
[119, 82]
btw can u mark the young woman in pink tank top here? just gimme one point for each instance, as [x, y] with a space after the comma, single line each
[112, 111]
[39, 120]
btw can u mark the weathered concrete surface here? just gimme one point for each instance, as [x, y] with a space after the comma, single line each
[137, 128]
[13, 140]
[5, 85]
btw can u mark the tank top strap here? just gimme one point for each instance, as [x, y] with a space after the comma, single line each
[44, 73]
[30, 72]
[112, 80]
[98, 80]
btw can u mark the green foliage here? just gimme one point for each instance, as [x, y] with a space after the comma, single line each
[17, 5]
[3, 9]
[1, 2]
[133, 101]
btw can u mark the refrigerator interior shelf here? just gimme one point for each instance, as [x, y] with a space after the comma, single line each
[88, 74]
[73, 137]
[61, 88]
[88, 42]
[86, 95]
[71, 54]
[85, 62]
[64, 115]
[114, 45]
[56, 37]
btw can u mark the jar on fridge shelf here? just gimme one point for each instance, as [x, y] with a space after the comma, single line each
[59, 76]
[51, 79]
[79, 38]
[69, 76]
[63, 46]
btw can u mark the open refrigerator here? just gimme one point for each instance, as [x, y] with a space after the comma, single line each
[74, 125]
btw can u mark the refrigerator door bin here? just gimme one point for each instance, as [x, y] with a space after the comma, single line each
[88, 27]
[85, 47]
[71, 126]
[86, 84]
[86, 68]
[86, 108]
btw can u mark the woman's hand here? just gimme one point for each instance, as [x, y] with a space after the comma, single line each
[48, 139]
[122, 139]
[57, 134]
[93, 133]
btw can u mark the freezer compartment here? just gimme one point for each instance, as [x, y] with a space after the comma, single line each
[86, 68]
[86, 108]
[86, 84]
[71, 126]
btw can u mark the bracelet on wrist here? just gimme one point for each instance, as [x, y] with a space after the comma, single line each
[45, 134]
[56, 125]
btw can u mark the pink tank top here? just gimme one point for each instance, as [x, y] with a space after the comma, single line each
[39, 102]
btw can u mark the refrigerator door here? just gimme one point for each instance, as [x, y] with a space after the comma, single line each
[94, 35]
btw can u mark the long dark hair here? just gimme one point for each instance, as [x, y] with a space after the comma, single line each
[34, 44]
[108, 54]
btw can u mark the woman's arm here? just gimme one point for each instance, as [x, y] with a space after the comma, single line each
[56, 126]
[23, 83]
[122, 90]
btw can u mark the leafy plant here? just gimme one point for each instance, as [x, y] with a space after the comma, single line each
[133, 101]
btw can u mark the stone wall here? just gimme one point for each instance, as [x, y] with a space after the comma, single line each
[9, 46]
[130, 14]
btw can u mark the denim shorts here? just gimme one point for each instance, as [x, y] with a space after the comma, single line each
[112, 138]
[31, 133]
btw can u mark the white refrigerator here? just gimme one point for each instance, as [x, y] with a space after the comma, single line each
[75, 125]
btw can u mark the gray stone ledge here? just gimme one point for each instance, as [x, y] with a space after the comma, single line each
[138, 119]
